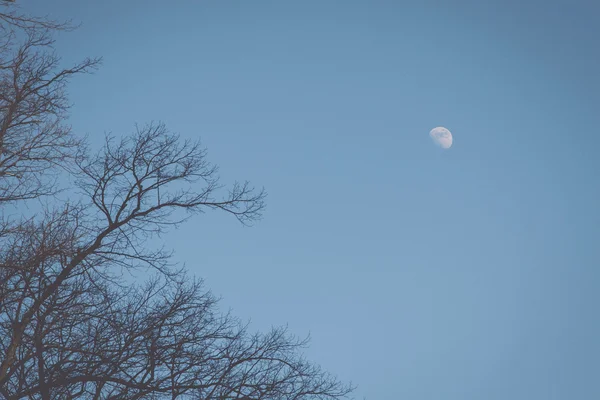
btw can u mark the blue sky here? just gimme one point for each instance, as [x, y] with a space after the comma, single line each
[420, 273]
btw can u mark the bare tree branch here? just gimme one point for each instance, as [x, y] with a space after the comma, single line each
[33, 107]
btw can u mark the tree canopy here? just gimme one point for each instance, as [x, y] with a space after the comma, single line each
[70, 326]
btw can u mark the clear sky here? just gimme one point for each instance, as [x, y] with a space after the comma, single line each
[420, 273]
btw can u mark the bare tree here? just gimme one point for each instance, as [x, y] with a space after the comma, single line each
[71, 327]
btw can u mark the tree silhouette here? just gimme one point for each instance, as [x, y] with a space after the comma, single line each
[70, 326]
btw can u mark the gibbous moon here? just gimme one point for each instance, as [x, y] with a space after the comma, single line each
[441, 136]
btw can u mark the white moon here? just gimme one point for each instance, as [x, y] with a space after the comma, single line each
[441, 136]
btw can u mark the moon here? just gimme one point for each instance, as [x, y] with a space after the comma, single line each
[441, 136]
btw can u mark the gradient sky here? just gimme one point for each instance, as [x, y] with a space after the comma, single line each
[471, 273]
